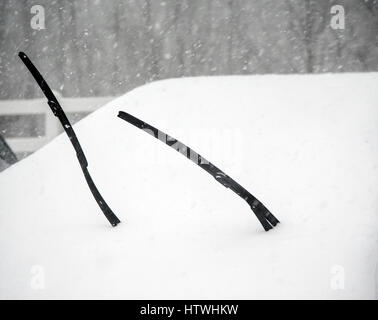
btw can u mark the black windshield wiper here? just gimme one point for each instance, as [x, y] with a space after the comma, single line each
[267, 219]
[58, 112]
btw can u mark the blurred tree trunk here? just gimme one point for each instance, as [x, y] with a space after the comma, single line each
[152, 42]
[308, 35]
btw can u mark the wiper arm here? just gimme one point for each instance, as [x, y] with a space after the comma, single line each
[266, 218]
[58, 112]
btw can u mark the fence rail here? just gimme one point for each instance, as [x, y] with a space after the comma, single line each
[22, 138]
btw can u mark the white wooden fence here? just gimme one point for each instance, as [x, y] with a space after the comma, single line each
[51, 124]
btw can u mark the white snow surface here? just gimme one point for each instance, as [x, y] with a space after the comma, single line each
[306, 146]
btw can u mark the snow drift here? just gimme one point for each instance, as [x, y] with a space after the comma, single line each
[305, 145]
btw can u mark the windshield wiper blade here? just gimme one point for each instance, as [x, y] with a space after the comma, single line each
[58, 112]
[266, 218]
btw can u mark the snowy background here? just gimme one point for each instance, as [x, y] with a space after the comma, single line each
[102, 48]
[304, 141]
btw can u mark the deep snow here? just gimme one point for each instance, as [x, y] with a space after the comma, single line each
[306, 146]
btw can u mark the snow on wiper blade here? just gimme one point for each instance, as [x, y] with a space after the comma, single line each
[266, 218]
[58, 112]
